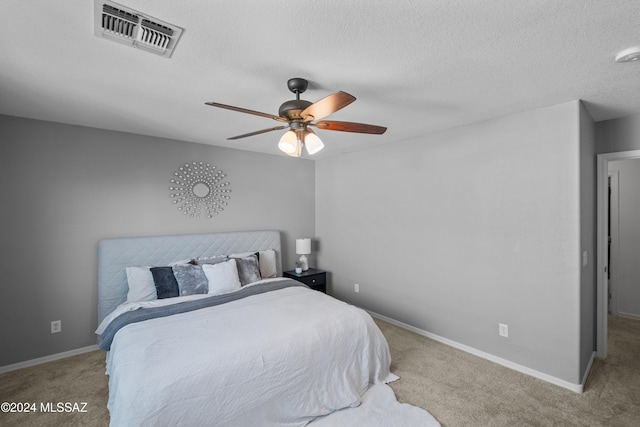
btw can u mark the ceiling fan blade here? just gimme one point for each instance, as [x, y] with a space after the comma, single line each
[350, 127]
[244, 110]
[327, 105]
[258, 132]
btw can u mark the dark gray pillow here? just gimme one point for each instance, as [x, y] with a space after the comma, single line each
[248, 269]
[166, 285]
[191, 279]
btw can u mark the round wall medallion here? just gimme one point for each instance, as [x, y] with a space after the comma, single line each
[197, 188]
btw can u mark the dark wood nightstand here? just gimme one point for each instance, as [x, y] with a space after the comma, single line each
[314, 278]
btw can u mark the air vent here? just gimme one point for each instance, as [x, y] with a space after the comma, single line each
[118, 23]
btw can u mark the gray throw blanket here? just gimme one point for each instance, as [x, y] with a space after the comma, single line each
[105, 340]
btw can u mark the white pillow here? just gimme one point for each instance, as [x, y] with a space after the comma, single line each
[141, 284]
[268, 267]
[222, 277]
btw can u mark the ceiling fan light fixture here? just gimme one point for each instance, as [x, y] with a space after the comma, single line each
[288, 142]
[298, 150]
[312, 142]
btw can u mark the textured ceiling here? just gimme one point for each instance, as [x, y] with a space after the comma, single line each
[414, 66]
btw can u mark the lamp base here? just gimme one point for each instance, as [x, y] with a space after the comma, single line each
[304, 262]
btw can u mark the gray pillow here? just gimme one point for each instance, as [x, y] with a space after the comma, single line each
[191, 279]
[211, 260]
[248, 269]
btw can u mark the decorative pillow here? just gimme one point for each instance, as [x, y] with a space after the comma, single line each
[211, 260]
[141, 284]
[243, 254]
[179, 262]
[267, 260]
[165, 282]
[222, 277]
[248, 269]
[191, 279]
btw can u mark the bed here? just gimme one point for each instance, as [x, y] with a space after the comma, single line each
[271, 352]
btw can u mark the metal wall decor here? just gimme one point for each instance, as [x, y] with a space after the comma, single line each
[197, 188]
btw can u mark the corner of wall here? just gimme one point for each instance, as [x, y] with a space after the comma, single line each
[588, 245]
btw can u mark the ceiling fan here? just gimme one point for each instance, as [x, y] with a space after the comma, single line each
[299, 115]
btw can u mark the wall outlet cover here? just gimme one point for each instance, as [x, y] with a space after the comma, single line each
[56, 326]
[503, 330]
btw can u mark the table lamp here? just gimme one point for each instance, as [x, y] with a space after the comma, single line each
[303, 248]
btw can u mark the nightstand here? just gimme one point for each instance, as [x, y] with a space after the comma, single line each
[314, 278]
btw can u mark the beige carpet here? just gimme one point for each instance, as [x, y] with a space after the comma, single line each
[458, 389]
[76, 379]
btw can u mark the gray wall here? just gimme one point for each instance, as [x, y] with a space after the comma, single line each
[66, 187]
[588, 244]
[460, 230]
[627, 286]
[617, 135]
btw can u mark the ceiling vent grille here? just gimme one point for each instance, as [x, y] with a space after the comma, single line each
[121, 24]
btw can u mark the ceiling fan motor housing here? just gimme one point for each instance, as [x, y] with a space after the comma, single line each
[292, 109]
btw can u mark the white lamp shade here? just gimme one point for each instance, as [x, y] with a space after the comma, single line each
[298, 151]
[303, 246]
[288, 143]
[312, 142]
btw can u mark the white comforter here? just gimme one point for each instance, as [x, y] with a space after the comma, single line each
[280, 358]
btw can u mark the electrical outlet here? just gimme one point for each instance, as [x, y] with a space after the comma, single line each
[56, 326]
[503, 330]
[356, 288]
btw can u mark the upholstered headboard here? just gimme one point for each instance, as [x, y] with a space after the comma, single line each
[114, 255]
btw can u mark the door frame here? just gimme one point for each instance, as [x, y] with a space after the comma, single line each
[602, 289]
[614, 248]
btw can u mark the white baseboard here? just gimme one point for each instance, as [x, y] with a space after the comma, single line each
[578, 388]
[631, 315]
[45, 359]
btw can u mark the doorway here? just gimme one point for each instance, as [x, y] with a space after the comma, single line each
[602, 182]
